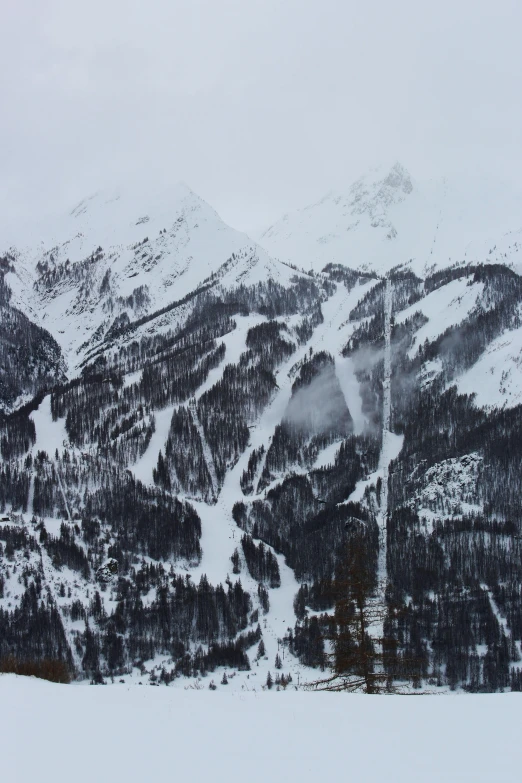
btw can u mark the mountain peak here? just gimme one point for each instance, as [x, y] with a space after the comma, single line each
[379, 189]
[399, 178]
[136, 199]
[382, 184]
[386, 218]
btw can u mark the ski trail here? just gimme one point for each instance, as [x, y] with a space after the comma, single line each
[50, 437]
[334, 315]
[220, 534]
[235, 345]
[49, 573]
[207, 453]
[391, 443]
[57, 471]
[143, 467]
[345, 372]
[30, 496]
[503, 624]
[281, 616]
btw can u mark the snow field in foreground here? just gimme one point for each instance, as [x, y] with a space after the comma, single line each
[117, 734]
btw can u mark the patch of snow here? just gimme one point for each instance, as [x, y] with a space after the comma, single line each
[143, 468]
[50, 435]
[327, 455]
[132, 377]
[444, 307]
[429, 371]
[496, 378]
[450, 488]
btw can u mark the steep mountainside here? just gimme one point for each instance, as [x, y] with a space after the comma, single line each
[387, 218]
[30, 358]
[184, 499]
[120, 257]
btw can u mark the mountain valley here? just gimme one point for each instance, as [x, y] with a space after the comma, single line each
[195, 425]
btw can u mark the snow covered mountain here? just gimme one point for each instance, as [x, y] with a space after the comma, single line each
[387, 218]
[119, 256]
[182, 493]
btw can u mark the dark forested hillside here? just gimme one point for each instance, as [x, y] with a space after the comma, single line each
[30, 358]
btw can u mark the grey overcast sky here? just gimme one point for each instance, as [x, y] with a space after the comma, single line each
[259, 105]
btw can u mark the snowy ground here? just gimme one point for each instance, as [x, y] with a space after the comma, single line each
[142, 734]
[496, 378]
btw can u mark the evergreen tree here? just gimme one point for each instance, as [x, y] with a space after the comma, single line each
[358, 659]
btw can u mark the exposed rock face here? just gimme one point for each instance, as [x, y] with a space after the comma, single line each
[108, 571]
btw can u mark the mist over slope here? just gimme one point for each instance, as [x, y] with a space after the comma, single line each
[189, 428]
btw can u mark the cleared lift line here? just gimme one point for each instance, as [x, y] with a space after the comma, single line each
[57, 471]
[386, 416]
[207, 452]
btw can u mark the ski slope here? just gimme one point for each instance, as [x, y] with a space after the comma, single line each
[443, 308]
[496, 378]
[220, 534]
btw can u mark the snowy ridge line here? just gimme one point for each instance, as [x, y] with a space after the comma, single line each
[76, 292]
[387, 218]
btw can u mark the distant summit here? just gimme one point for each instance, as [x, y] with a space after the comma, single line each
[386, 218]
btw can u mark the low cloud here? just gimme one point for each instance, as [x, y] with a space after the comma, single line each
[320, 406]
